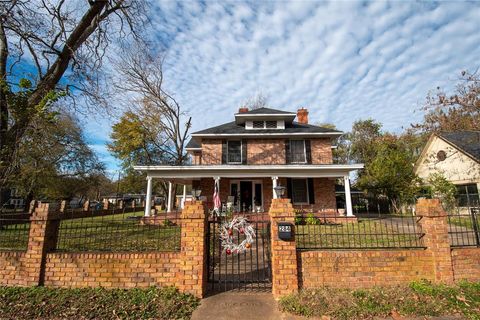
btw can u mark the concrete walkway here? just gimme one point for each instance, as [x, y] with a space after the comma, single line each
[235, 305]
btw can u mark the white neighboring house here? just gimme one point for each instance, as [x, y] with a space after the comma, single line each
[456, 155]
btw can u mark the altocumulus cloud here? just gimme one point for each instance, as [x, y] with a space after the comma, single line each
[342, 60]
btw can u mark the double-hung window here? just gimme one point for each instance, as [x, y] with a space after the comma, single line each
[299, 191]
[234, 152]
[467, 195]
[297, 151]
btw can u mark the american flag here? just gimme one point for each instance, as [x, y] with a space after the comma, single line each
[216, 196]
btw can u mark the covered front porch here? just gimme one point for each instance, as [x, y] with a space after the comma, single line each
[251, 188]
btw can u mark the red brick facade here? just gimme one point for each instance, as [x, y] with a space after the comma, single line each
[263, 151]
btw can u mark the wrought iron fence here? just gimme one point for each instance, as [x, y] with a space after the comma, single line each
[118, 230]
[320, 232]
[14, 231]
[464, 227]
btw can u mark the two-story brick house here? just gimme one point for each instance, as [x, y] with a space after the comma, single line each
[259, 150]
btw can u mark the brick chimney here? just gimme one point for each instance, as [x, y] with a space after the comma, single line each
[243, 110]
[302, 116]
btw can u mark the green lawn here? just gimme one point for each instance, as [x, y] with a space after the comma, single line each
[108, 233]
[419, 299]
[462, 221]
[364, 234]
[14, 237]
[47, 303]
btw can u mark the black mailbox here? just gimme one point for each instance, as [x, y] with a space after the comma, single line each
[285, 231]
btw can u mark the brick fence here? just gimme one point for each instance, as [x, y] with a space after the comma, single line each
[186, 269]
[438, 262]
[40, 265]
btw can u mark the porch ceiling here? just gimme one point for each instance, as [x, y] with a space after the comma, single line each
[249, 171]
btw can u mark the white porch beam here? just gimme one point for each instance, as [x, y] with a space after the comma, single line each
[169, 200]
[274, 185]
[148, 200]
[348, 196]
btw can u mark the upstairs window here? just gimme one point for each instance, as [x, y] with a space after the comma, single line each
[297, 151]
[271, 124]
[267, 124]
[258, 124]
[234, 152]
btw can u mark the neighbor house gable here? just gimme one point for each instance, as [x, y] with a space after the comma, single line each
[442, 156]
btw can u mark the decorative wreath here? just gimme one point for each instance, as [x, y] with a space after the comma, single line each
[241, 225]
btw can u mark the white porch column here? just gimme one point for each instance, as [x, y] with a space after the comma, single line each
[184, 198]
[348, 196]
[148, 200]
[169, 200]
[274, 182]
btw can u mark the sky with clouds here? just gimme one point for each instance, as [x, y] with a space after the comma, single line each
[343, 60]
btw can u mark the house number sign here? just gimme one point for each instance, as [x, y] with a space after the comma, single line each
[285, 231]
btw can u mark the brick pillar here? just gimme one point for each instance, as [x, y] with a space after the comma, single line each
[284, 253]
[193, 250]
[43, 236]
[86, 206]
[435, 226]
[106, 204]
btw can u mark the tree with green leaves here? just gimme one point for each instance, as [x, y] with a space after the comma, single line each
[442, 189]
[389, 172]
[55, 162]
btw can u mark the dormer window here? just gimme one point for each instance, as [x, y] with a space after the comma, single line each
[271, 124]
[265, 124]
[258, 124]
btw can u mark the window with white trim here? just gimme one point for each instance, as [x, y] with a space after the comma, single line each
[299, 191]
[265, 124]
[297, 151]
[234, 151]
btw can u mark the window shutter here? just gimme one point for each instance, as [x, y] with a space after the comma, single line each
[308, 151]
[311, 191]
[244, 151]
[224, 151]
[289, 189]
[287, 152]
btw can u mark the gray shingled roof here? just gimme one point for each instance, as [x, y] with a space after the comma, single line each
[266, 111]
[467, 141]
[294, 127]
[193, 144]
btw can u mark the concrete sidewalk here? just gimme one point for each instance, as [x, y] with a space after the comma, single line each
[235, 305]
[262, 306]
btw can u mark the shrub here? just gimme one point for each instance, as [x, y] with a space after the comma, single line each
[311, 220]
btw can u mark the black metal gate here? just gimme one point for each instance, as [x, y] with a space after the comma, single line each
[250, 270]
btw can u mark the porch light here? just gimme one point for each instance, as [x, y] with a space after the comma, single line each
[280, 191]
[196, 193]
